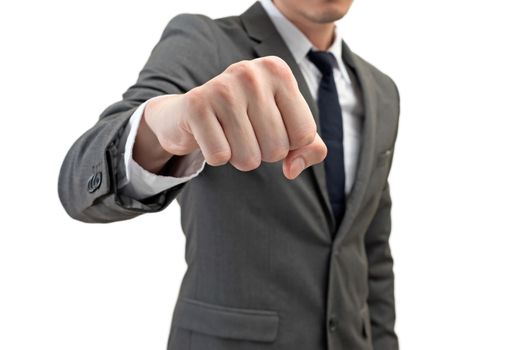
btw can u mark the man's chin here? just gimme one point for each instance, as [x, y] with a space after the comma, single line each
[328, 16]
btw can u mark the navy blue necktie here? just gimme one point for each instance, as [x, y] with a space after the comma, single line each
[331, 120]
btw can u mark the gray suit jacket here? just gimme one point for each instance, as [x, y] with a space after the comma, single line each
[266, 267]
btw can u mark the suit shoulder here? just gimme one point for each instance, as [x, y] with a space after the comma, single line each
[382, 79]
[213, 30]
[200, 21]
[192, 19]
[376, 72]
[189, 22]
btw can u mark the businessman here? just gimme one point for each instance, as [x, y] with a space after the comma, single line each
[277, 141]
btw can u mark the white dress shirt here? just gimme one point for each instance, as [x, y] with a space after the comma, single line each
[140, 183]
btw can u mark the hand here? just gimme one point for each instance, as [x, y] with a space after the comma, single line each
[251, 112]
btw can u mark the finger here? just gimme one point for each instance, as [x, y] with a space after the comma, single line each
[297, 117]
[211, 139]
[301, 158]
[269, 128]
[245, 151]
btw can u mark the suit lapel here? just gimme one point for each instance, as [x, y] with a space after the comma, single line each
[368, 137]
[269, 43]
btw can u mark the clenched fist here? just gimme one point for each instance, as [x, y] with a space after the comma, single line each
[251, 112]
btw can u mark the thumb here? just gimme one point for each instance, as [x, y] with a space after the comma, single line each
[299, 159]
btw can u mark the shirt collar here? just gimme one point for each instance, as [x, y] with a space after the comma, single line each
[296, 41]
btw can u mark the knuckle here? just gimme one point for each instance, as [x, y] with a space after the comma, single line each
[196, 102]
[243, 69]
[250, 80]
[237, 66]
[276, 66]
[246, 74]
[224, 90]
[194, 96]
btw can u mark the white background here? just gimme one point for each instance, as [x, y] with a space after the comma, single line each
[457, 179]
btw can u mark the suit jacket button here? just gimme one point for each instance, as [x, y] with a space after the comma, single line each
[94, 182]
[332, 324]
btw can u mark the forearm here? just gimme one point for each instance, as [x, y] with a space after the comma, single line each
[92, 171]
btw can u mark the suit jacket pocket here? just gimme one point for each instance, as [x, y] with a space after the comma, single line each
[379, 174]
[226, 322]
[383, 156]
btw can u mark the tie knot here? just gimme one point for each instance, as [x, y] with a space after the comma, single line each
[323, 60]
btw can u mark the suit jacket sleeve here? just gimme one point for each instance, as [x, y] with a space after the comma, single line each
[184, 57]
[381, 277]
[381, 301]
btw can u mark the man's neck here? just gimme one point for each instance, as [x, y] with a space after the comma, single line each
[321, 35]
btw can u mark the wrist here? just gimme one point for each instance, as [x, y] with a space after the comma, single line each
[147, 150]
